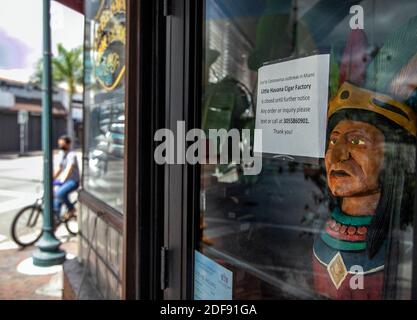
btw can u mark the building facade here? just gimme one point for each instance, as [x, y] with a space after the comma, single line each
[22, 100]
[329, 216]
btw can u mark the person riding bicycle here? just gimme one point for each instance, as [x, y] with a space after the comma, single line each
[66, 177]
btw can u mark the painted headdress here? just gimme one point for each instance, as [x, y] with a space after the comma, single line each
[387, 86]
[352, 97]
[382, 92]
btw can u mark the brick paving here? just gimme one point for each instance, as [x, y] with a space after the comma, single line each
[20, 185]
[18, 286]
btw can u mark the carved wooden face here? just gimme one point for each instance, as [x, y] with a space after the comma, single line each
[354, 158]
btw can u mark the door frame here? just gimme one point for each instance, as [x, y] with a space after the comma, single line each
[184, 23]
[143, 224]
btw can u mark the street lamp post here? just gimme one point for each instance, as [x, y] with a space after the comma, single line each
[48, 253]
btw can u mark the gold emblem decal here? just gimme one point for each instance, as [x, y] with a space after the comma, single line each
[337, 270]
[109, 44]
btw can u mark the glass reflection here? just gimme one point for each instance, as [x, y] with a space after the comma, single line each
[270, 230]
[104, 99]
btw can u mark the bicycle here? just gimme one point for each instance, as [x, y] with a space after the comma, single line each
[26, 227]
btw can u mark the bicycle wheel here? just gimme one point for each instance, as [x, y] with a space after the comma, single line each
[72, 225]
[26, 227]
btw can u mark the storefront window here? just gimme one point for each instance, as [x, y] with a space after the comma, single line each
[334, 226]
[105, 39]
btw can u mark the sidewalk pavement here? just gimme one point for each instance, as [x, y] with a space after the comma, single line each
[20, 185]
[21, 280]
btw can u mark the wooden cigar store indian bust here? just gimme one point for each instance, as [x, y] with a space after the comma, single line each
[366, 173]
[365, 133]
[370, 168]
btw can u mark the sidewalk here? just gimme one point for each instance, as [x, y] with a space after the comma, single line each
[14, 155]
[21, 280]
[20, 185]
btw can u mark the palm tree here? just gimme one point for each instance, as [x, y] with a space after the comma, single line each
[67, 67]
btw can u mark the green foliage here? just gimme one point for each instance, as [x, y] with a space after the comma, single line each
[67, 67]
[334, 74]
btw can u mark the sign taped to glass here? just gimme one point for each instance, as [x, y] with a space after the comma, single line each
[292, 105]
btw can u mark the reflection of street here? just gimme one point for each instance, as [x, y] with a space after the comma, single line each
[267, 229]
[20, 185]
[264, 233]
[104, 167]
[109, 185]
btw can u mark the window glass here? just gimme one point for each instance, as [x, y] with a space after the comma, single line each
[334, 227]
[105, 40]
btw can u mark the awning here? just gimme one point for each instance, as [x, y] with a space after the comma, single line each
[77, 5]
[35, 108]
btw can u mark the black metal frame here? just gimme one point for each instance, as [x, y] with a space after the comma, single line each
[143, 223]
[156, 184]
[146, 59]
[174, 174]
[182, 182]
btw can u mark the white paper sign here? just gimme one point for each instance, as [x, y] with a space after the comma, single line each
[211, 280]
[292, 107]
